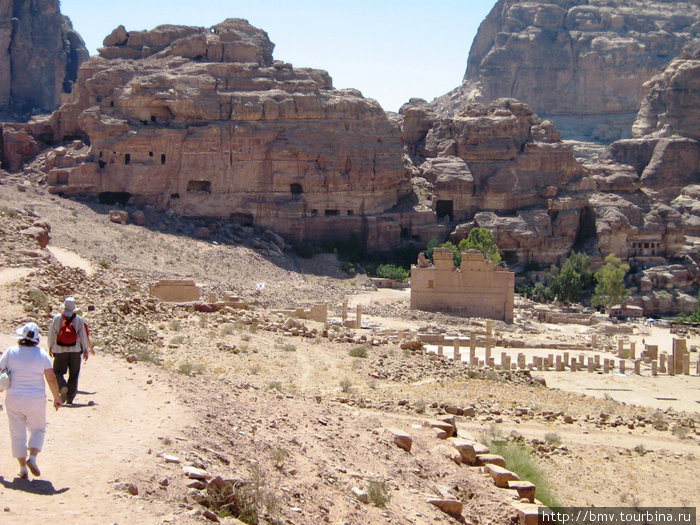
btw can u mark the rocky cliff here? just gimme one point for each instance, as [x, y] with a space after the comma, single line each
[581, 63]
[203, 122]
[501, 167]
[40, 54]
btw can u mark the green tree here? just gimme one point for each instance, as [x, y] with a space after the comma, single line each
[567, 284]
[482, 240]
[392, 271]
[610, 289]
[456, 253]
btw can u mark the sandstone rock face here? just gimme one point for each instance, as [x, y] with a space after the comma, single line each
[205, 123]
[39, 56]
[575, 57]
[672, 102]
[503, 158]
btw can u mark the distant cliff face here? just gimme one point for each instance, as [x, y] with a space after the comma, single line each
[40, 54]
[576, 58]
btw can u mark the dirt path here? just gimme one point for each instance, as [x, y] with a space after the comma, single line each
[88, 449]
[72, 259]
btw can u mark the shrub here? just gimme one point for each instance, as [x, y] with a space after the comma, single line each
[552, 438]
[245, 501]
[345, 385]
[38, 298]
[140, 333]
[358, 351]
[392, 271]
[658, 420]
[144, 354]
[275, 385]
[378, 493]
[421, 405]
[175, 325]
[177, 340]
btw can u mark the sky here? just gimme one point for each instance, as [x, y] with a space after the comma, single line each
[391, 50]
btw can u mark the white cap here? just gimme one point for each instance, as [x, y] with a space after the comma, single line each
[69, 304]
[29, 331]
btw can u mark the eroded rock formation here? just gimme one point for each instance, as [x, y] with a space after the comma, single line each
[205, 123]
[581, 63]
[40, 54]
[501, 167]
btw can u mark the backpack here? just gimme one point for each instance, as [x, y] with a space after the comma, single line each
[67, 336]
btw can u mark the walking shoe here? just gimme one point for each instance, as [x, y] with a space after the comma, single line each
[33, 467]
[23, 473]
[63, 392]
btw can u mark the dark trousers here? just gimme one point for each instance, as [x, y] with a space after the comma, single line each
[70, 362]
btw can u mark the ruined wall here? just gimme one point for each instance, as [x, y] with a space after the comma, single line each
[476, 288]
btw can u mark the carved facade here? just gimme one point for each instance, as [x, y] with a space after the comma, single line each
[477, 288]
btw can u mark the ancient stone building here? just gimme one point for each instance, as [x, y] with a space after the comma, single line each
[39, 56]
[477, 288]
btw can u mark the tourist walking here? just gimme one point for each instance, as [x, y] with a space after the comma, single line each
[68, 342]
[25, 399]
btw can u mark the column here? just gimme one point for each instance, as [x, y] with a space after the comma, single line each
[358, 322]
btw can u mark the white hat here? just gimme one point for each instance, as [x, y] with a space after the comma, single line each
[29, 331]
[69, 304]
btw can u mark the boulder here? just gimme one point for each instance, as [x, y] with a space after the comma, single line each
[400, 439]
[119, 216]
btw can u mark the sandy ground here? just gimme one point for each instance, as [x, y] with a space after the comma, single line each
[82, 460]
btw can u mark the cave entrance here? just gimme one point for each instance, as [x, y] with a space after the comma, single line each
[113, 197]
[199, 186]
[444, 209]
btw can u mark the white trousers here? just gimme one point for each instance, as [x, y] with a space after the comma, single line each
[26, 414]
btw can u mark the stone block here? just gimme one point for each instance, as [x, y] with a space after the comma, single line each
[525, 489]
[469, 450]
[500, 475]
[441, 427]
[493, 459]
[453, 507]
[527, 513]
[175, 291]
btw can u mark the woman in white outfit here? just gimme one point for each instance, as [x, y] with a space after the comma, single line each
[25, 400]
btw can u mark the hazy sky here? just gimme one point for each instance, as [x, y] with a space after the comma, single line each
[391, 50]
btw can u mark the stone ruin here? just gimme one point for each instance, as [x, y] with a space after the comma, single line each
[477, 288]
